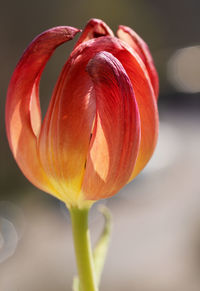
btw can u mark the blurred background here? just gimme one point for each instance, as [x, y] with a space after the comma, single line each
[156, 237]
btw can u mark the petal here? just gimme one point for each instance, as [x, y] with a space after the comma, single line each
[94, 28]
[137, 43]
[116, 135]
[22, 106]
[65, 134]
[147, 106]
[144, 94]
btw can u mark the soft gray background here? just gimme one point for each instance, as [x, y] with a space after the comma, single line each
[156, 237]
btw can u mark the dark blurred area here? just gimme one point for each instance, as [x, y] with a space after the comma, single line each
[156, 238]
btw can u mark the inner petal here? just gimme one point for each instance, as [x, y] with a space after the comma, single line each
[66, 130]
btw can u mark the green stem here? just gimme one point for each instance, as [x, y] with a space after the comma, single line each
[84, 259]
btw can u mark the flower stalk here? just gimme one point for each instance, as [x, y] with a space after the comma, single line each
[82, 246]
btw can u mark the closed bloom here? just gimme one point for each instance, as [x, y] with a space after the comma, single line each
[101, 126]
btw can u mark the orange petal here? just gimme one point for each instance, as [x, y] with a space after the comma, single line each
[146, 103]
[65, 134]
[116, 135]
[94, 28]
[137, 43]
[22, 107]
[144, 94]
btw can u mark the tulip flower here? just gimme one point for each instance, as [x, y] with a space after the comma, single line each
[101, 126]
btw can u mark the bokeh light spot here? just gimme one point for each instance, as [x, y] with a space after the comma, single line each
[183, 69]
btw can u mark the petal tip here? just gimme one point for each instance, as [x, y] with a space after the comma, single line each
[94, 28]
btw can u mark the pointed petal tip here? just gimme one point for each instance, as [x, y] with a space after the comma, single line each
[67, 31]
[99, 24]
[94, 21]
[94, 28]
[56, 36]
[123, 27]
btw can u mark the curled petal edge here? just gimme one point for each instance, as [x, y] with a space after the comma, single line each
[23, 116]
[116, 135]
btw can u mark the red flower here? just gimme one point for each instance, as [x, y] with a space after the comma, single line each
[101, 125]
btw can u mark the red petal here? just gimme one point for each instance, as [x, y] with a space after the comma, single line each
[22, 107]
[147, 107]
[94, 28]
[137, 43]
[116, 136]
[65, 133]
[144, 94]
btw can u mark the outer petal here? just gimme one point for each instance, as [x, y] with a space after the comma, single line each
[137, 43]
[147, 107]
[116, 135]
[94, 28]
[22, 107]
